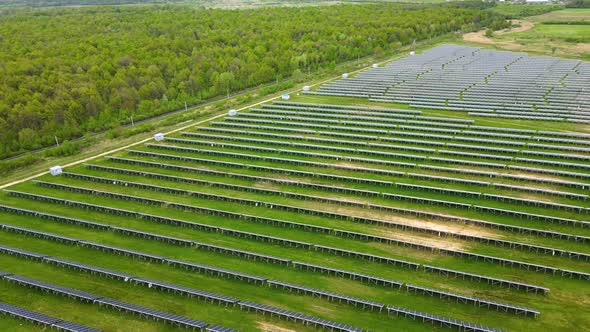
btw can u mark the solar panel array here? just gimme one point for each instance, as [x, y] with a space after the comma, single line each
[136, 309]
[485, 83]
[395, 216]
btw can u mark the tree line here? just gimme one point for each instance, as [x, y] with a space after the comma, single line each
[71, 71]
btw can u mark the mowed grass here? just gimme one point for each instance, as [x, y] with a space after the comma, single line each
[325, 222]
[453, 262]
[249, 292]
[564, 15]
[562, 309]
[309, 204]
[574, 33]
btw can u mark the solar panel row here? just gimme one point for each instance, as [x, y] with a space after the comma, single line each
[362, 108]
[222, 272]
[331, 147]
[444, 160]
[423, 138]
[427, 126]
[522, 215]
[512, 228]
[463, 77]
[473, 300]
[357, 302]
[202, 268]
[42, 319]
[307, 211]
[370, 170]
[93, 298]
[442, 321]
[455, 170]
[366, 140]
[325, 107]
[322, 213]
[142, 311]
[297, 317]
[187, 322]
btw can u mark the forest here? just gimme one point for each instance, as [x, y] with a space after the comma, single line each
[61, 3]
[67, 72]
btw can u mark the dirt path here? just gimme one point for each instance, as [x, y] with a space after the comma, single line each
[479, 36]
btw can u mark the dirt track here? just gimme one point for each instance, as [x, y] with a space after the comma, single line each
[479, 36]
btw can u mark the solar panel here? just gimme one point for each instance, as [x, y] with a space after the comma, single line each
[215, 270]
[299, 317]
[351, 275]
[181, 241]
[217, 328]
[44, 286]
[153, 313]
[44, 235]
[89, 268]
[26, 314]
[73, 327]
[21, 252]
[186, 290]
[122, 251]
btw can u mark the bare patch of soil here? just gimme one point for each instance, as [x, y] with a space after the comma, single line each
[268, 327]
[430, 224]
[479, 36]
[582, 47]
[443, 243]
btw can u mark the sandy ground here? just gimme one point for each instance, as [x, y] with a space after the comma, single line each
[440, 226]
[443, 242]
[268, 327]
[582, 47]
[451, 227]
[479, 36]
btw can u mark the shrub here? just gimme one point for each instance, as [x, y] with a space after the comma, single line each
[8, 166]
[66, 149]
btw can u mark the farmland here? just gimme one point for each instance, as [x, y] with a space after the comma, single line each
[559, 33]
[348, 213]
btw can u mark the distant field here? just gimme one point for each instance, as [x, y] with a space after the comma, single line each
[566, 15]
[564, 33]
[523, 10]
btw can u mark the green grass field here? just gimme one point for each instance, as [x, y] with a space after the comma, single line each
[242, 206]
[523, 10]
[566, 32]
[565, 15]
